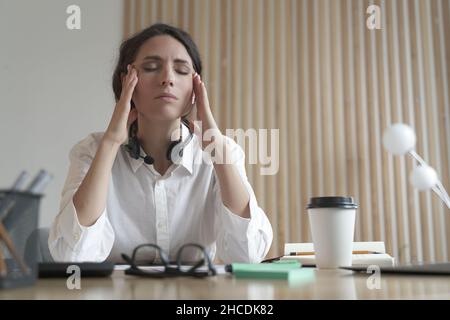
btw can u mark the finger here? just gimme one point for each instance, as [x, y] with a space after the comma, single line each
[200, 91]
[133, 67]
[204, 94]
[131, 73]
[197, 88]
[132, 78]
[124, 76]
[130, 84]
[195, 77]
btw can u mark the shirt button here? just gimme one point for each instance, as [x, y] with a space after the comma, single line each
[76, 236]
[160, 225]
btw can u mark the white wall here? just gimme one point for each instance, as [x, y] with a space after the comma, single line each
[55, 85]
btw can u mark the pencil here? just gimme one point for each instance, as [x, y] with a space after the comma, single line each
[9, 244]
[3, 268]
[311, 253]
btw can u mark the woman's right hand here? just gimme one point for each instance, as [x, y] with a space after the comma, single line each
[123, 115]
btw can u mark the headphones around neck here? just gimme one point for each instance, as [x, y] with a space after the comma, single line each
[174, 152]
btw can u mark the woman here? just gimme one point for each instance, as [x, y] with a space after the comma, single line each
[123, 188]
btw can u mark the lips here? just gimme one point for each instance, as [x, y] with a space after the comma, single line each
[167, 96]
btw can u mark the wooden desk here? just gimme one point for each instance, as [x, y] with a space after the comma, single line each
[328, 284]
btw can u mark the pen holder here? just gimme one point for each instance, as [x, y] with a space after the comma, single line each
[19, 216]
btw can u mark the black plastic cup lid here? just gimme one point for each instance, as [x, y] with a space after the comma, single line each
[332, 202]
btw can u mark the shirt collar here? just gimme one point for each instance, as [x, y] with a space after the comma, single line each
[186, 160]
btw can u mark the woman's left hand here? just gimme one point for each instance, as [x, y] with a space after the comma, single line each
[203, 114]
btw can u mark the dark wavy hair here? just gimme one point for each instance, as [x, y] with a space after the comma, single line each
[130, 48]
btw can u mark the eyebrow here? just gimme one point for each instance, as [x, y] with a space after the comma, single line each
[158, 58]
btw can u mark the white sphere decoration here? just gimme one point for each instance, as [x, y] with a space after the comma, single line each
[399, 138]
[423, 177]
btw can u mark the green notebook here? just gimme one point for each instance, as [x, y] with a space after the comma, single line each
[287, 270]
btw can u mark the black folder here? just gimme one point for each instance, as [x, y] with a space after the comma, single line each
[423, 269]
[87, 269]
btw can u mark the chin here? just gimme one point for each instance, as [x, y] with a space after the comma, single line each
[162, 115]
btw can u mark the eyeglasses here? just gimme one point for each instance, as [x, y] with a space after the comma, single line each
[169, 270]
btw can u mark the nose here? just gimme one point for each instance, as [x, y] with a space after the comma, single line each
[167, 82]
[167, 78]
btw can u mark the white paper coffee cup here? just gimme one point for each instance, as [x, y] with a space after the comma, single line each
[332, 223]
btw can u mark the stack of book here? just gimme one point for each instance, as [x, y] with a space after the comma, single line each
[364, 254]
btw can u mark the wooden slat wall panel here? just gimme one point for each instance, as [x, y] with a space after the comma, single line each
[313, 70]
[294, 186]
[348, 45]
[442, 40]
[304, 51]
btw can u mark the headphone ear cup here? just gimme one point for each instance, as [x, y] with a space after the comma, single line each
[175, 152]
[133, 148]
[170, 149]
[176, 147]
[133, 144]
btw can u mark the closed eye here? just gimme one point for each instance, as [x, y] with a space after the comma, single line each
[182, 72]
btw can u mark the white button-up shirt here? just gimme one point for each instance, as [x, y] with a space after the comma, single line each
[182, 206]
